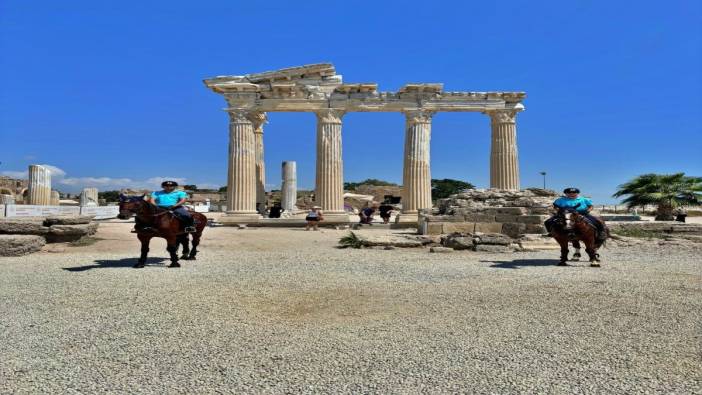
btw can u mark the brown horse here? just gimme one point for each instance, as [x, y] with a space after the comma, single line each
[160, 222]
[569, 226]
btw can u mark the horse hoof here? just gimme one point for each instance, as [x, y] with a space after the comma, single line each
[190, 258]
[184, 256]
[575, 259]
[174, 264]
[138, 265]
[594, 264]
[562, 264]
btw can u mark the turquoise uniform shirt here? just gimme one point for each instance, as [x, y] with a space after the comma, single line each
[165, 199]
[580, 204]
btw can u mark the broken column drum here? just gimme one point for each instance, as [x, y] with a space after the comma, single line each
[39, 185]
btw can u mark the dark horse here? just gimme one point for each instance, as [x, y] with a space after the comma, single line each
[160, 222]
[568, 226]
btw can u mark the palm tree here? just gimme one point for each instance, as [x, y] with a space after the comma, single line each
[667, 191]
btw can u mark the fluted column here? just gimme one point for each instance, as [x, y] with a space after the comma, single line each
[289, 187]
[89, 197]
[329, 189]
[241, 182]
[55, 198]
[258, 119]
[504, 163]
[39, 185]
[416, 176]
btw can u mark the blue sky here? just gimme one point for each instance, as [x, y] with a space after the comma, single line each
[111, 93]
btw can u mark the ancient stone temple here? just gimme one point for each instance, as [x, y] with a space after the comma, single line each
[317, 88]
[89, 197]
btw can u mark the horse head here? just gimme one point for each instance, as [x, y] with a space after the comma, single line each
[129, 205]
[567, 217]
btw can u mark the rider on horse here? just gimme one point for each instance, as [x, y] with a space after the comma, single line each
[173, 200]
[582, 205]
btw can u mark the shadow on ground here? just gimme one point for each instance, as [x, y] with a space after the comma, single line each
[116, 263]
[518, 263]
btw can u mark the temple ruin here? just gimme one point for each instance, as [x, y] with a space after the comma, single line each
[317, 88]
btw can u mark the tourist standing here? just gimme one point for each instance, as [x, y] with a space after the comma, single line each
[313, 218]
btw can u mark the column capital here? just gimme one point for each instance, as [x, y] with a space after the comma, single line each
[258, 119]
[330, 116]
[239, 116]
[502, 116]
[419, 116]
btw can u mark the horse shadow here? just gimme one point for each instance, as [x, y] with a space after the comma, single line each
[116, 263]
[519, 263]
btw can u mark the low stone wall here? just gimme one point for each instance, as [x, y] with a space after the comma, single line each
[512, 213]
[50, 229]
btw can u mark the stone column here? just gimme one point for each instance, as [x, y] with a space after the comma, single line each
[39, 185]
[289, 187]
[504, 163]
[241, 182]
[89, 197]
[416, 176]
[329, 189]
[258, 119]
[55, 198]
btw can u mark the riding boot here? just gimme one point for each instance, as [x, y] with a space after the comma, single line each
[189, 225]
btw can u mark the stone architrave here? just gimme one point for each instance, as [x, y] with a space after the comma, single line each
[416, 177]
[55, 198]
[7, 199]
[504, 161]
[241, 181]
[289, 187]
[89, 197]
[330, 166]
[258, 119]
[39, 185]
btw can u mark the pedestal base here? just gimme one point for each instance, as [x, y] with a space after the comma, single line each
[233, 219]
[406, 220]
[334, 218]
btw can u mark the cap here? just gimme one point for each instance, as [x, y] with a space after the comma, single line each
[571, 190]
[169, 184]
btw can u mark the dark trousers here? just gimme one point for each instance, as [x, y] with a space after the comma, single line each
[183, 215]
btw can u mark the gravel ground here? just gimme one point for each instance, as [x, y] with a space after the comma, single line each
[283, 311]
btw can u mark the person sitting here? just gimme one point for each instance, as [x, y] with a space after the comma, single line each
[275, 211]
[366, 215]
[581, 205]
[173, 200]
[313, 218]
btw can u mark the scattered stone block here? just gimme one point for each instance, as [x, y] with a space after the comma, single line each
[493, 248]
[17, 245]
[532, 219]
[487, 227]
[68, 220]
[67, 233]
[535, 228]
[475, 217]
[506, 218]
[434, 228]
[459, 227]
[513, 229]
[493, 238]
[23, 226]
[440, 250]
[458, 242]
[510, 210]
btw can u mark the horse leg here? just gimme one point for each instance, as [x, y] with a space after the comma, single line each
[563, 242]
[196, 242]
[144, 251]
[592, 252]
[576, 255]
[172, 248]
[183, 240]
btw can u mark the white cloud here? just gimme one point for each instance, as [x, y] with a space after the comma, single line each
[61, 182]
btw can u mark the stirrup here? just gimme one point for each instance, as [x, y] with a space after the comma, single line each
[189, 229]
